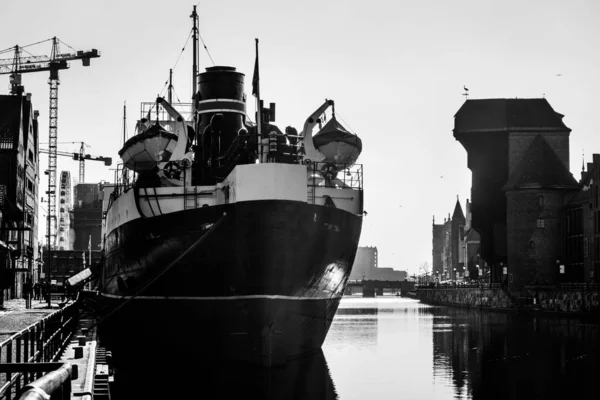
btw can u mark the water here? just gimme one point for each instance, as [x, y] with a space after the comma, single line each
[395, 348]
[399, 348]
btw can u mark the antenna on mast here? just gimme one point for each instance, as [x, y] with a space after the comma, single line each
[170, 97]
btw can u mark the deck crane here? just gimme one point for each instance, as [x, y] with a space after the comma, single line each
[54, 62]
[81, 157]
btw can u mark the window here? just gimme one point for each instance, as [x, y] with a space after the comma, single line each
[540, 201]
[540, 223]
[30, 155]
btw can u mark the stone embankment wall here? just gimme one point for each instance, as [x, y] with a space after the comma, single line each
[568, 301]
[467, 297]
[562, 301]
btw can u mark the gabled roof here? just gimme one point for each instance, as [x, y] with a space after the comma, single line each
[540, 168]
[458, 212]
[473, 234]
[507, 115]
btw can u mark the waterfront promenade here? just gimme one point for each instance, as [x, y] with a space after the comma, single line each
[14, 316]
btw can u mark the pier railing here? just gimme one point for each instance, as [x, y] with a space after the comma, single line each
[25, 355]
[434, 286]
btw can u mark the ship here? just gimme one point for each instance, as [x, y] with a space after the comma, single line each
[224, 236]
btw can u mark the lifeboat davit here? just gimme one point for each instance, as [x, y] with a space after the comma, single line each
[339, 146]
[144, 150]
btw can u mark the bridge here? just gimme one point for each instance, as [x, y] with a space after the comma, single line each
[372, 288]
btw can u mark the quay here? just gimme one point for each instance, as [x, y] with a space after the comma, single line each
[573, 299]
[52, 353]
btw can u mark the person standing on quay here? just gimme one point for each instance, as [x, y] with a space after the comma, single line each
[27, 293]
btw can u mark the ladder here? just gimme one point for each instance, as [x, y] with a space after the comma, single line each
[102, 377]
[190, 198]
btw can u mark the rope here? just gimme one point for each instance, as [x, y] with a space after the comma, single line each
[345, 123]
[176, 62]
[206, 48]
[161, 273]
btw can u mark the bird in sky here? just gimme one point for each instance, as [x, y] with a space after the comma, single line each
[558, 74]
[466, 89]
[441, 176]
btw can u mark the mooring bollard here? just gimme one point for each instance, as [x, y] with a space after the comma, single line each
[78, 352]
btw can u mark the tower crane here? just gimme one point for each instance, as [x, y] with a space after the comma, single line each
[81, 157]
[56, 61]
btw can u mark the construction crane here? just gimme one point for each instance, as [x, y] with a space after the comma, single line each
[56, 61]
[81, 157]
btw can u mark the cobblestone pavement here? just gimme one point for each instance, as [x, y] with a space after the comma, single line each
[15, 316]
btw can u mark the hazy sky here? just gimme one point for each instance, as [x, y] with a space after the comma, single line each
[396, 70]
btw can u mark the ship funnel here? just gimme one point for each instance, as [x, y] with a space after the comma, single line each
[221, 109]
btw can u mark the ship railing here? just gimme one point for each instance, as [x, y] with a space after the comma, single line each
[342, 176]
[148, 110]
[28, 354]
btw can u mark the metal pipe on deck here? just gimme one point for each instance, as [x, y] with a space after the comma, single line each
[44, 387]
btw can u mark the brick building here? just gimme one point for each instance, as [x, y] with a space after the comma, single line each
[535, 221]
[582, 228]
[448, 245]
[474, 268]
[19, 181]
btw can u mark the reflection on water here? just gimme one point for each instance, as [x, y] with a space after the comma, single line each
[512, 356]
[416, 351]
[389, 348]
[305, 378]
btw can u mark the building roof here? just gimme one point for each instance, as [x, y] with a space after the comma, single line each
[541, 168]
[482, 115]
[458, 212]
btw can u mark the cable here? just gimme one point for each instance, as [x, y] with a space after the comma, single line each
[206, 48]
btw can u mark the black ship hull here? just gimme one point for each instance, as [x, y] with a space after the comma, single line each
[258, 281]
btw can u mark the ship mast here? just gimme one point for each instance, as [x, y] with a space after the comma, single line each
[194, 16]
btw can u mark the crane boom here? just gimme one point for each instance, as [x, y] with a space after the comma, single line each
[53, 63]
[81, 157]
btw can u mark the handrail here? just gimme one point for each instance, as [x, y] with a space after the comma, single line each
[42, 388]
[41, 342]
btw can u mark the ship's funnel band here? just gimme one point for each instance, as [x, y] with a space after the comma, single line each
[221, 105]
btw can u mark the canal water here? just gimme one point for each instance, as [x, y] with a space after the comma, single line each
[395, 348]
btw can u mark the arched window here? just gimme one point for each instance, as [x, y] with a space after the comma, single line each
[540, 201]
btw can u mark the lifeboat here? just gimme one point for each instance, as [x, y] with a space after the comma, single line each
[144, 150]
[339, 147]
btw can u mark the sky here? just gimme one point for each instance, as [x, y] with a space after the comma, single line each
[396, 70]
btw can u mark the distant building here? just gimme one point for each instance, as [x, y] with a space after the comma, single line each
[87, 217]
[66, 263]
[65, 205]
[448, 246]
[474, 268]
[581, 258]
[366, 266]
[19, 181]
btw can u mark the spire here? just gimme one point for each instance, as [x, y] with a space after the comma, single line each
[458, 212]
